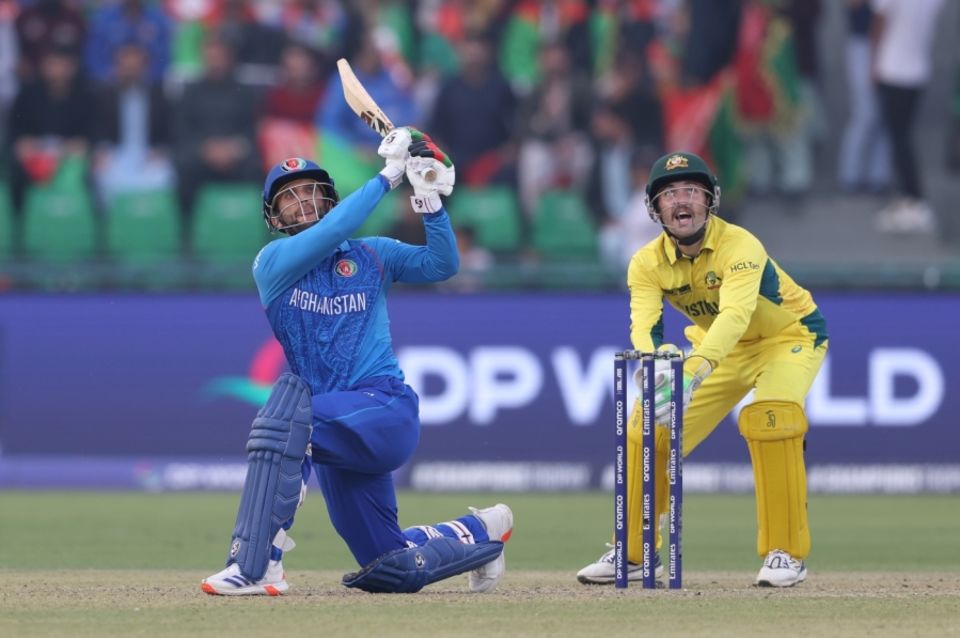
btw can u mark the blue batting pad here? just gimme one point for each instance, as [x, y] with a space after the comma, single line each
[404, 571]
[275, 451]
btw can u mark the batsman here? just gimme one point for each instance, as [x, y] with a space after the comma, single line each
[752, 328]
[343, 411]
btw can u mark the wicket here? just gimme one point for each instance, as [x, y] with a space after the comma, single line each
[648, 460]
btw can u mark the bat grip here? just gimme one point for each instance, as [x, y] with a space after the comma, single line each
[430, 175]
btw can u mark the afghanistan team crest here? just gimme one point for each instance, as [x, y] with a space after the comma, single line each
[676, 161]
[345, 268]
[293, 164]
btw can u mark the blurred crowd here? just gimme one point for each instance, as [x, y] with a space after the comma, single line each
[551, 109]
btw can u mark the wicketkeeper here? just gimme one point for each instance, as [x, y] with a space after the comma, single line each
[753, 328]
[343, 411]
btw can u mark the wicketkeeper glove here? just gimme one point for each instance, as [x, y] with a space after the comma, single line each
[393, 149]
[426, 160]
[695, 370]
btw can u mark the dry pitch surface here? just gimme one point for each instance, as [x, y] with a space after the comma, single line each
[118, 564]
[528, 603]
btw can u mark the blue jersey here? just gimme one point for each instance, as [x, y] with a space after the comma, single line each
[325, 294]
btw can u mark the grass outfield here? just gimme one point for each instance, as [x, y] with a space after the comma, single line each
[125, 564]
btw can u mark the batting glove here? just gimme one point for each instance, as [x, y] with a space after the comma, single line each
[431, 173]
[393, 149]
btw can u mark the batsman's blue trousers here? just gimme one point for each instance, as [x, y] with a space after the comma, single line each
[359, 437]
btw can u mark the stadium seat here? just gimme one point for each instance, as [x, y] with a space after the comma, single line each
[385, 216]
[187, 59]
[349, 167]
[228, 224]
[279, 139]
[59, 222]
[563, 229]
[143, 227]
[493, 213]
[351, 170]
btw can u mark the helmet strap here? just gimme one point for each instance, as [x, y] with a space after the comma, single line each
[692, 239]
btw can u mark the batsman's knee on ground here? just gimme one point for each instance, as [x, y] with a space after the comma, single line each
[405, 571]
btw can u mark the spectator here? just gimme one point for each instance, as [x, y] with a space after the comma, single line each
[257, 46]
[779, 154]
[124, 21]
[555, 149]
[630, 228]
[864, 163]
[903, 34]
[335, 118]
[953, 139]
[451, 21]
[700, 118]
[300, 91]
[215, 126]
[46, 25]
[134, 133]
[803, 17]
[711, 40]
[409, 230]
[535, 23]
[628, 117]
[475, 262]
[286, 129]
[328, 26]
[9, 59]
[443, 26]
[49, 122]
[484, 149]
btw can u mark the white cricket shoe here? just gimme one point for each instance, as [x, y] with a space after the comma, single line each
[499, 523]
[230, 582]
[602, 572]
[780, 569]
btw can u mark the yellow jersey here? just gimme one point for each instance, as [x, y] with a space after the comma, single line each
[732, 291]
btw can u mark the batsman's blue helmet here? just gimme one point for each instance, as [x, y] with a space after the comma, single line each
[290, 169]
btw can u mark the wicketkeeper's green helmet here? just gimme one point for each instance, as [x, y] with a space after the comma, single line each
[673, 167]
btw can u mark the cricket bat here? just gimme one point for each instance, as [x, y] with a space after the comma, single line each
[364, 106]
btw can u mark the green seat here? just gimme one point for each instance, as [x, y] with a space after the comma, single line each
[352, 169]
[59, 222]
[385, 217]
[228, 223]
[6, 223]
[143, 227]
[493, 213]
[563, 229]
[186, 50]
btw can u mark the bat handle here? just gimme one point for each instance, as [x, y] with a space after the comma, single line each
[430, 175]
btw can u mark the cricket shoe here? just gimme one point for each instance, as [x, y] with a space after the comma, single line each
[230, 582]
[602, 572]
[780, 569]
[498, 520]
